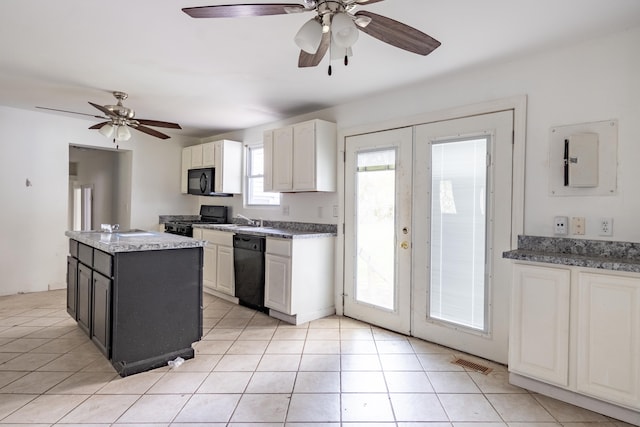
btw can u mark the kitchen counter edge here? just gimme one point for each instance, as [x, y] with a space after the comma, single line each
[136, 242]
[281, 233]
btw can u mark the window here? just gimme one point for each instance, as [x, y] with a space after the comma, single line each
[255, 178]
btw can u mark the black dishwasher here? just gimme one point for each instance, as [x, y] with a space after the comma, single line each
[248, 263]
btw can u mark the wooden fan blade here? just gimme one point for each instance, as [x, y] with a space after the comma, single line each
[151, 132]
[398, 34]
[99, 125]
[158, 123]
[240, 10]
[101, 108]
[366, 2]
[71, 112]
[313, 59]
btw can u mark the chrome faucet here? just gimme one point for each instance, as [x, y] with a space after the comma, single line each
[109, 228]
[249, 220]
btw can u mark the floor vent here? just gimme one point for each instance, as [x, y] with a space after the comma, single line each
[470, 365]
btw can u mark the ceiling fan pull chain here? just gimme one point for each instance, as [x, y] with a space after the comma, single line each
[329, 69]
[346, 60]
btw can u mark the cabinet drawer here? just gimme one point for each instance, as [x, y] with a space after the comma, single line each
[73, 248]
[280, 247]
[102, 262]
[218, 237]
[85, 254]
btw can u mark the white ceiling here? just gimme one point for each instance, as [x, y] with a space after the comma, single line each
[218, 75]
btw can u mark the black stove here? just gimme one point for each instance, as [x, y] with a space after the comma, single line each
[208, 215]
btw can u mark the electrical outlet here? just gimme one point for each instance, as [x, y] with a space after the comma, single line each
[560, 226]
[335, 211]
[285, 210]
[577, 225]
[606, 226]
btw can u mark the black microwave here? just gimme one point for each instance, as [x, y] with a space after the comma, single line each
[201, 181]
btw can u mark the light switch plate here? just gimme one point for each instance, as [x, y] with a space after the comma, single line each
[577, 225]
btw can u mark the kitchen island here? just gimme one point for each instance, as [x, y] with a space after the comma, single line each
[137, 295]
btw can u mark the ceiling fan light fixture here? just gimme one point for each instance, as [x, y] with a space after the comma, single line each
[123, 133]
[343, 30]
[338, 52]
[309, 36]
[107, 130]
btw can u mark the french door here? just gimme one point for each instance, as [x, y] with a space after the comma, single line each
[427, 217]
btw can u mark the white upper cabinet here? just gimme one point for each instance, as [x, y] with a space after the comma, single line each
[301, 157]
[224, 155]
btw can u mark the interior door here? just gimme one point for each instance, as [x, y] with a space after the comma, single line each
[462, 224]
[378, 228]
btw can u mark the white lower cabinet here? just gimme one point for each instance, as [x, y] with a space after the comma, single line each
[608, 334]
[299, 278]
[217, 274]
[577, 330]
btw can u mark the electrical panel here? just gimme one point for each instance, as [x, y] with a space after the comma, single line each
[581, 160]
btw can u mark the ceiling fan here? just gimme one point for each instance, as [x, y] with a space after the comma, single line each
[334, 28]
[120, 119]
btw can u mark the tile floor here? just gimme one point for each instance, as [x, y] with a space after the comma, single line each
[252, 370]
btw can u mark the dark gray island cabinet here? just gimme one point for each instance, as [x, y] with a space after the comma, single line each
[137, 295]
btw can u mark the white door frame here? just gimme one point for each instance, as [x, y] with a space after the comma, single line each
[516, 103]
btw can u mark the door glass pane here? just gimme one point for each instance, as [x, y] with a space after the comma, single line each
[458, 232]
[375, 225]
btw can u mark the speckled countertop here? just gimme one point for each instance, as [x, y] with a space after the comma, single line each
[602, 254]
[133, 240]
[279, 229]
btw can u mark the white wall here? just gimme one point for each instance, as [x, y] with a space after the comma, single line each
[592, 81]
[35, 146]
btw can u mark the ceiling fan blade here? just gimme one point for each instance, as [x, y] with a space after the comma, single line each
[71, 112]
[99, 125]
[313, 59]
[366, 2]
[151, 132]
[101, 108]
[398, 34]
[239, 10]
[159, 123]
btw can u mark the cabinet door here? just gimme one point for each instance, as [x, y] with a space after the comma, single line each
[196, 156]
[304, 156]
[208, 154]
[72, 286]
[608, 332]
[83, 308]
[225, 276]
[210, 263]
[267, 144]
[282, 159]
[101, 313]
[278, 283]
[539, 336]
[186, 164]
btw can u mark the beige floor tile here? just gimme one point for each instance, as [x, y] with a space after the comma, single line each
[101, 364]
[248, 347]
[320, 362]
[261, 320]
[452, 382]
[380, 334]
[322, 347]
[317, 382]
[439, 362]
[366, 407]
[325, 334]
[519, 408]
[208, 408]
[279, 362]
[290, 334]
[100, 409]
[400, 362]
[312, 408]
[567, 413]
[417, 407]
[233, 322]
[155, 408]
[238, 362]
[70, 362]
[363, 382]
[285, 347]
[45, 409]
[495, 382]
[394, 347]
[223, 334]
[28, 362]
[359, 334]
[360, 362]
[407, 382]
[225, 382]
[240, 312]
[7, 377]
[23, 345]
[271, 382]
[212, 346]
[12, 402]
[35, 382]
[200, 363]
[133, 384]
[468, 407]
[5, 357]
[83, 383]
[421, 346]
[327, 322]
[257, 334]
[178, 382]
[358, 347]
[60, 345]
[348, 323]
[261, 408]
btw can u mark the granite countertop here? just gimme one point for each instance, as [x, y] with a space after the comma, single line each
[133, 240]
[601, 254]
[282, 230]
